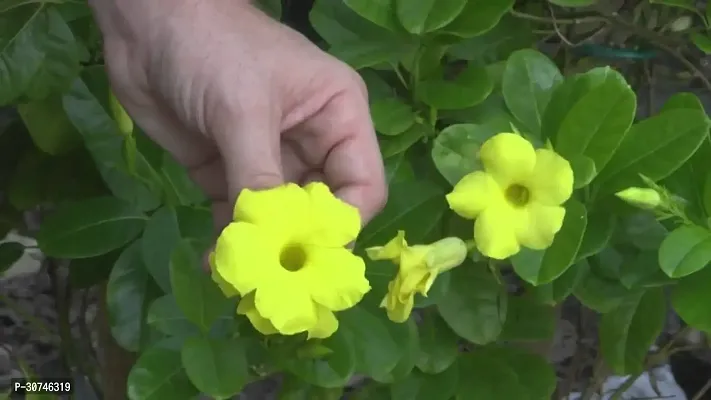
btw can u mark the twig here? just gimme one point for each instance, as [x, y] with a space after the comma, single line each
[700, 394]
[559, 21]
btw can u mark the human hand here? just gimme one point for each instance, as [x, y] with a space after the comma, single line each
[241, 100]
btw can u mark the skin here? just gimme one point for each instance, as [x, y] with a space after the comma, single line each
[241, 100]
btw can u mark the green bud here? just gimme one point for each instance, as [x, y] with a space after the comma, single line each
[446, 254]
[640, 197]
[681, 24]
[123, 120]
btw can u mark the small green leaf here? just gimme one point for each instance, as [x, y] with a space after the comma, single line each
[392, 146]
[455, 151]
[429, 15]
[690, 298]
[196, 294]
[584, 170]
[217, 367]
[439, 346]
[89, 228]
[542, 266]
[627, 332]
[49, 126]
[488, 378]
[159, 375]
[379, 12]
[686, 250]
[533, 372]
[10, 253]
[331, 371]
[165, 316]
[478, 17]
[376, 351]
[702, 41]
[475, 305]
[421, 386]
[391, 116]
[468, 89]
[528, 82]
[528, 320]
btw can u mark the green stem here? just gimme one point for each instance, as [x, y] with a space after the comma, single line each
[559, 21]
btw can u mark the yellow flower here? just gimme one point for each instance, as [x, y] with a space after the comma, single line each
[640, 197]
[419, 266]
[516, 200]
[285, 256]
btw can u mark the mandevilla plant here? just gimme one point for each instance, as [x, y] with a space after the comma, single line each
[500, 168]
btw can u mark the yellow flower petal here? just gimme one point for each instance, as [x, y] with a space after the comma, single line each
[509, 158]
[326, 326]
[539, 224]
[446, 254]
[335, 277]
[335, 222]
[285, 209]
[246, 307]
[227, 289]
[246, 256]
[398, 304]
[286, 302]
[551, 182]
[415, 280]
[414, 258]
[391, 251]
[494, 232]
[473, 193]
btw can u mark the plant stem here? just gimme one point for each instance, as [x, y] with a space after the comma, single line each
[700, 394]
[559, 21]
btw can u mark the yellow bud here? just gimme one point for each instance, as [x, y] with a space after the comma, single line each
[123, 120]
[446, 254]
[640, 197]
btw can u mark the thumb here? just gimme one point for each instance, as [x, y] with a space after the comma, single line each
[251, 154]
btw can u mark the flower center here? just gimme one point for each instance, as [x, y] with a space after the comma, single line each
[292, 257]
[518, 195]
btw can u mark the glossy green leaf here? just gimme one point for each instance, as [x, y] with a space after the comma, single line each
[690, 297]
[643, 271]
[178, 184]
[439, 346]
[628, 331]
[595, 125]
[10, 253]
[455, 150]
[398, 169]
[528, 320]
[599, 293]
[195, 292]
[379, 12]
[392, 146]
[217, 367]
[426, 16]
[555, 292]
[38, 53]
[477, 17]
[376, 350]
[702, 41]
[584, 170]
[87, 272]
[469, 88]
[361, 54]
[642, 230]
[528, 82]
[89, 228]
[598, 232]
[475, 305]
[331, 371]
[497, 44]
[271, 7]
[421, 386]
[487, 378]
[655, 148]
[542, 266]
[126, 297]
[392, 116]
[686, 250]
[165, 316]
[164, 230]
[159, 375]
[408, 343]
[336, 23]
[49, 126]
[533, 372]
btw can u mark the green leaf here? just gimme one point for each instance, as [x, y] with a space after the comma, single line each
[557, 291]
[509, 35]
[702, 41]
[599, 293]
[333, 370]
[178, 184]
[217, 367]
[686, 250]
[398, 169]
[376, 351]
[89, 228]
[360, 54]
[10, 253]
[379, 12]
[468, 89]
[49, 126]
[488, 378]
[416, 207]
[528, 320]
[642, 230]
[163, 232]
[38, 53]
[391, 116]
[271, 7]
[159, 375]
[196, 294]
[421, 386]
[475, 305]
[533, 372]
[655, 148]
[690, 297]
[643, 271]
[87, 272]
[408, 341]
[573, 3]
[391, 146]
[528, 82]
[439, 346]
[478, 17]
[542, 266]
[627, 332]
[126, 298]
[689, 5]
[336, 23]
[584, 170]
[27, 186]
[596, 124]
[598, 231]
[165, 316]
[427, 16]
[455, 150]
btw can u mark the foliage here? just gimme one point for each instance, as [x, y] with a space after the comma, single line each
[443, 77]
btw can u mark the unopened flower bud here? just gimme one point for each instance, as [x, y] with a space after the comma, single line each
[123, 120]
[446, 254]
[640, 197]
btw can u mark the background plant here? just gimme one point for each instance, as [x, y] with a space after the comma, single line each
[443, 77]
